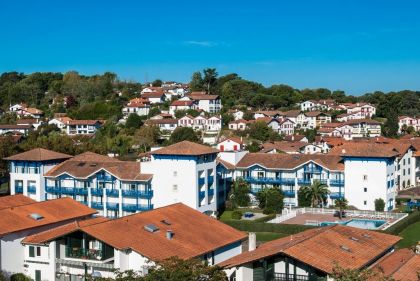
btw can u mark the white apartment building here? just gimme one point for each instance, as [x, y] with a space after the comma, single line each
[82, 127]
[165, 124]
[23, 129]
[186, 172]
[60, 122]
[154, 97]
[367, 110]
[27, 171]
[201, 123]
[407, 121]
[182, 105]
[230, 144]
[239, 125]
[137, 106]
[207, 103]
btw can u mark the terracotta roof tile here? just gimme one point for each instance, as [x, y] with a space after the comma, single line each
[82, 122]
[185, 148]
[284, 146]
[365, 149]
[290, 161]
[182, 103]
[402, 264]
[88, 163]
[14, 201]
[323, 248]
[194, 233]
[38, 154]
[18, 218]
[153, 95]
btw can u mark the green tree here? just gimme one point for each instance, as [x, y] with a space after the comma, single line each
[182, 134]
[341, 204]
[342, 274]
[390, 128]
[259, 131]
[254, 146]
[146, 137]
[19, 277]
[134, 121]
[271, 200]
[157, 83]
[239, 194]
[196, 83]
[303, 201]
[210, 79]
[182, 113]
[379, 205]
[317, 193]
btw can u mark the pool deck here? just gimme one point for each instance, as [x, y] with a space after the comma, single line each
[303, 218]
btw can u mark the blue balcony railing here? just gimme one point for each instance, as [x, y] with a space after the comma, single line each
[202, 194]
[336, 195]
[18, 189]
[97, 205]
[210, 181]
[112, 206]
[67, 190]
[201, 181]
[147, 194]
[335, 182]
[312, 170]
[113, 192]
[211, 192]
[81, 191]
[97, 191]
[135, 207]
[52, 189]
[31, 189]
[304, 181]
[104, 178]
[262, 180]
[289, 193]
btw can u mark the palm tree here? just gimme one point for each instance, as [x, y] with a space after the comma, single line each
[341, 204]
[317, 192]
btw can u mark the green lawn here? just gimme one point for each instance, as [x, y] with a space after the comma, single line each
[410, 235]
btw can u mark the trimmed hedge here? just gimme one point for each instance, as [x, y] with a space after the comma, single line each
[252, 226]
[266, 218]
[404, 223]
[236, 215]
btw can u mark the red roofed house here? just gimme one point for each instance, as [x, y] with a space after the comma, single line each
[230, 144]
[131, 243]
[182, 105]
[139, 106]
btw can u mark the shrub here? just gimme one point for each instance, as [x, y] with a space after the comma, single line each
[19, 277]
[404, 223]
[379, 205]
[236, 215]
[266, 218]
[252, 226]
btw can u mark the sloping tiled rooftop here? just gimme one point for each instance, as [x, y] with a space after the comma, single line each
[290, 161]
[185, 148]
[38, 154]
[19, 218]
[323, 248]
[14, 201]
[365, 149]
[402, 264]
[88, 163]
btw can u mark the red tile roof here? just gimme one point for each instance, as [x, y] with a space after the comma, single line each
[194, 233]
[182, 103]
[185, 148]
[18, 218]
[402, 264]
[83, 122]
[323, 248]
[38, 154]
[152, 95]
[365, 149]
[14, 201]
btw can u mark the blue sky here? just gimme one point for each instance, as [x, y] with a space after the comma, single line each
[355, 45]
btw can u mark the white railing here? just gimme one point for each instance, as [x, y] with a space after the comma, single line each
[286, 215]
[356, 213]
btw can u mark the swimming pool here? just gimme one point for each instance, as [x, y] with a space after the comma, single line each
[359, 223]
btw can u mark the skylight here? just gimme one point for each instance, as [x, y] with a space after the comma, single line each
[151, 228]
[36, 216]
[345, 248]
[167, 222]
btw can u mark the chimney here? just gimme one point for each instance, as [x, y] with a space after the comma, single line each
[252, 241]
[169, 234]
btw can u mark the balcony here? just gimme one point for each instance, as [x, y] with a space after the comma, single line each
[113, 206]
[18, 189]
[52, 189]
[304, 181]
[32, 189]
[289, 277]
[210, 181]
[67, 190]
[135, 207]
[112, 192]
[97, 205]
[336, 195]
[97, 191]
[289, 193]
[201, 181]
[202, 194]
[82, 253]
[273, 180]
[81, 191]
[147, 194]
[211, 192]
[105, 178]
[334, 182]
[312, 170]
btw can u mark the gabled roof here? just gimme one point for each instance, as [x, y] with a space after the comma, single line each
[194, 233]
[54, 233]
[14, 201]
[358, 121]
[203, 97]
[89, 163]
[315, 113]
[403, 264]
[290, 161]
[323, 248]
[365, 149]
[18, 218]
[292, 113]
[185, 148]
[152, 95]
[83, 122]
[38, 154]
[285, 146]
[182, 103]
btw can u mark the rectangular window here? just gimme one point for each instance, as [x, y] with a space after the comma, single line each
[365, 189]
[38, 251]
[31, 251]
[175, 187]
[365, 177]
[37, 275]
[365, 203]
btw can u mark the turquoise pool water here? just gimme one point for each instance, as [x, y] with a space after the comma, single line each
[359, 223]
